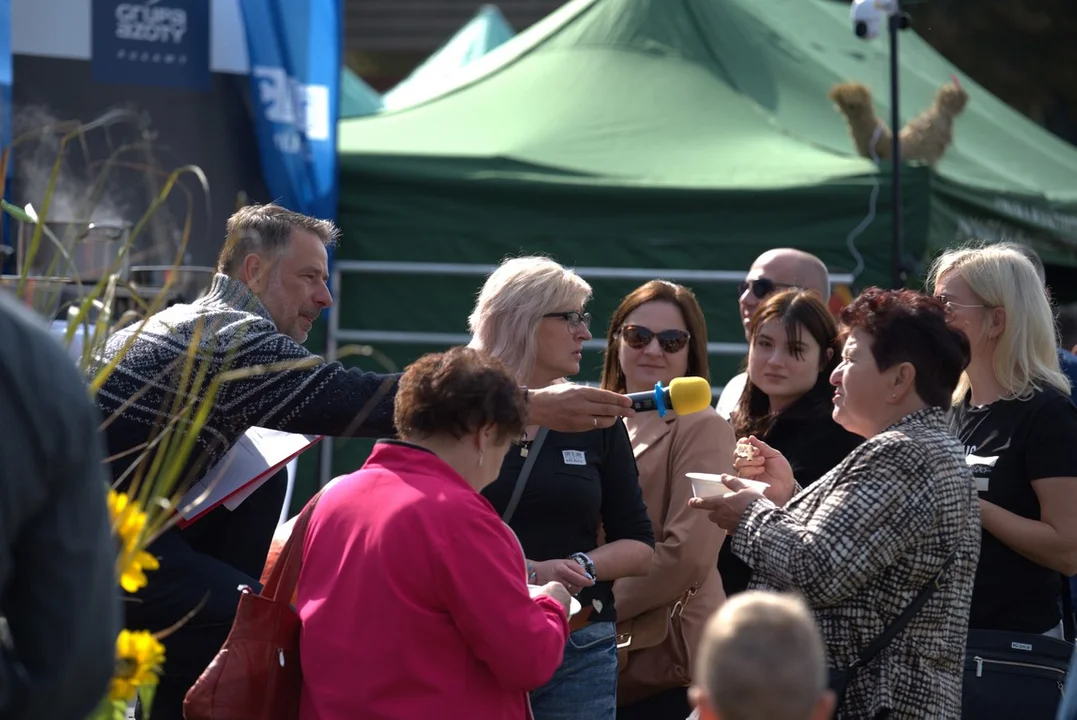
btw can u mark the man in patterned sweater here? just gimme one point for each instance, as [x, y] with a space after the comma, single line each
[269, 290]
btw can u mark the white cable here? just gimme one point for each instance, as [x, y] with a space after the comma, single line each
[850, 241]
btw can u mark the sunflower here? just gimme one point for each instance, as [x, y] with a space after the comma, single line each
[129, 523]
[139, 657]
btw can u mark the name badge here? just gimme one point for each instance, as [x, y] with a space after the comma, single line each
[574, 457]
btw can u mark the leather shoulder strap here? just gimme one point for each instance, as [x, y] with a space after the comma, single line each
[280, 586]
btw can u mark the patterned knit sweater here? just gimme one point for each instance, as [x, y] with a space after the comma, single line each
[234, 331]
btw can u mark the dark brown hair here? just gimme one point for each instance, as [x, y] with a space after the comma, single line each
[907, 326]
[458, 392]
[797, 311]
[613, 376]
[267, 230]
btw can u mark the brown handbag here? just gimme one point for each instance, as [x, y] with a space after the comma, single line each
[652, 654]
[256, 675]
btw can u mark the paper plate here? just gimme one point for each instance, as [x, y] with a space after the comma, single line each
[710, 485]
[573, 607]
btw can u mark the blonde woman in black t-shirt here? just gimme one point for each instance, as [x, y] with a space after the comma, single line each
[531, 313]
[1013, 413]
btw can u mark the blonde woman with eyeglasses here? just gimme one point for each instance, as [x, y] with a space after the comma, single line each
[555, 489]
[1013, 413]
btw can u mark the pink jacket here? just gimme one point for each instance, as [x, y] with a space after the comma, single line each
[414, 601]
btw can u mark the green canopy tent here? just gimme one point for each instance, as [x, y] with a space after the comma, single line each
[609, 136]
[486, 30]
[356, 97]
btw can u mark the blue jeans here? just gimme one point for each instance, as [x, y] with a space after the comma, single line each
[585, 686]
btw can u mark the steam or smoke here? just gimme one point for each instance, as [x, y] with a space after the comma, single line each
[35, 156]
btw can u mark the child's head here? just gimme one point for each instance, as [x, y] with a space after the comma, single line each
[762, 658]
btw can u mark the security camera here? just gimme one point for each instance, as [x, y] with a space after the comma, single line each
[869, 16]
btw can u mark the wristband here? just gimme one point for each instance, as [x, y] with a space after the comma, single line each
[586, 563]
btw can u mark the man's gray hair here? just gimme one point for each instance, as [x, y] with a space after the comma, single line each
[266, 230]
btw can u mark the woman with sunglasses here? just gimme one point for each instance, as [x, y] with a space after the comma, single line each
[793, 347]
[555, 490]
[656, 334]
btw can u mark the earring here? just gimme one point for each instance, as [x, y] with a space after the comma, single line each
[480, 458]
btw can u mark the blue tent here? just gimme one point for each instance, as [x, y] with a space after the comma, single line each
[485, 31]
[356, 97]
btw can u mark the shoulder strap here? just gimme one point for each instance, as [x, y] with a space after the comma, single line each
[894, 629]
[525, 472]
[283, 578]
[1068, 629]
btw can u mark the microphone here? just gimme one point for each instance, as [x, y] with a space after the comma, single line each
[685, 395]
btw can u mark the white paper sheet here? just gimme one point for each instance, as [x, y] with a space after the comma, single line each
[258, 455]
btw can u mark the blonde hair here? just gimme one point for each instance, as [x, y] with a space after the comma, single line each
[762, 656]
[512, 302]
[1026, 357]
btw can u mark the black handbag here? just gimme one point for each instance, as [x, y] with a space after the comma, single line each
[1016, 674]
[841, 679]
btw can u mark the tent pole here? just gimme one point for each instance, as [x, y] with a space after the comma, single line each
[895, 23]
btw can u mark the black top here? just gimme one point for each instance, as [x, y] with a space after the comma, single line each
[57, 553]
[1009, 444]
[578, 481]
[814, 444]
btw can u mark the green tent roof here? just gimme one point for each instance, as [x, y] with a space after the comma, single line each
[485, 31]
[356, 97]
[610, 91]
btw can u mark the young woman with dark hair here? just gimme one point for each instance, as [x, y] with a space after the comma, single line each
[793, 348]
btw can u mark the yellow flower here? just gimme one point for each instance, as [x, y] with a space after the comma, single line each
[139, 657]
[129, 522]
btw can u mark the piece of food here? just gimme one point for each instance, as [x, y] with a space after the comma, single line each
[745, 451]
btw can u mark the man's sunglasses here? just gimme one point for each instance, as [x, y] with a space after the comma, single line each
[638, 337]
[761, 287]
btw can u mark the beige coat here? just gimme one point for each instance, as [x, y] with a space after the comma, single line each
[686, 541]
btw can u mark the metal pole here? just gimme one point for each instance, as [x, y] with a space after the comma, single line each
[897, 245]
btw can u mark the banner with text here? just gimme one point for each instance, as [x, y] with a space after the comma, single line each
[295, 58]
[154, 42]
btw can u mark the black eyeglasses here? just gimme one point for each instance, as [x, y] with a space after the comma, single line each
[761, 287]
[638, 337]
[574, 319]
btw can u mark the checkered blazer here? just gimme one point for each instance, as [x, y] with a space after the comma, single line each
[860, 543]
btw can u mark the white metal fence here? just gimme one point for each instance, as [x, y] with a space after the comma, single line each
[336, 335]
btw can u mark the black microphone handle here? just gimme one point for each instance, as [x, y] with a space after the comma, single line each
[644, 401]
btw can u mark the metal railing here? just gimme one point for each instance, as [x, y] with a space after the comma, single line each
[336, 335]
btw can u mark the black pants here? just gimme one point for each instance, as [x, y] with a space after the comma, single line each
[669, 704]
[205, 563]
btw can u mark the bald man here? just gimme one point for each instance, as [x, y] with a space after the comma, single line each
[774, 270]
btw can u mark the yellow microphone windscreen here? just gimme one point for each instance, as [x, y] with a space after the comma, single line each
[689, 395]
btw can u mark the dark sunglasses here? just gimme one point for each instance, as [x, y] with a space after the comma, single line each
[761, 287]
[638, 337]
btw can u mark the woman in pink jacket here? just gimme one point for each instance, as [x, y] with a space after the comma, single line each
[413, 593]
